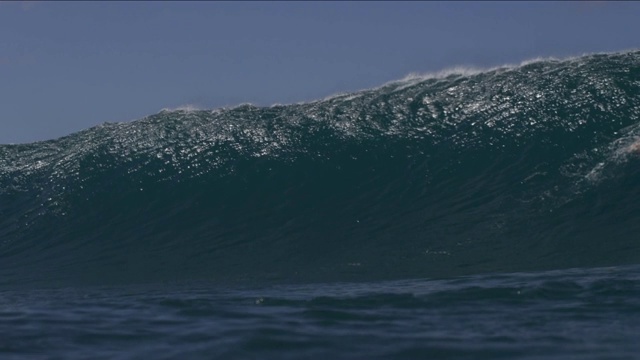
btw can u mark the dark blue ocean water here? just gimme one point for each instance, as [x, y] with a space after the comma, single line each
[299, 231]
[569, 314]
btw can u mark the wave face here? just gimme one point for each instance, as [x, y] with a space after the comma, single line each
[514, 169]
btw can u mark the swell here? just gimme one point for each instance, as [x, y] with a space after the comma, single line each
[525, 168]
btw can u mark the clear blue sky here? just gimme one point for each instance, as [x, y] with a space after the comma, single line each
[67, 66]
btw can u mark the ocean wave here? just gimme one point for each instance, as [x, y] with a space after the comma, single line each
[464, 171]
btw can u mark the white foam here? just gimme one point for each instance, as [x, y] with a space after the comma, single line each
[187, 108]
[618, 152]
[415, 78]
[634, 148]
[626, 146]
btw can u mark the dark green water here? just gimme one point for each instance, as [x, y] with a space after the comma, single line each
[517, 170]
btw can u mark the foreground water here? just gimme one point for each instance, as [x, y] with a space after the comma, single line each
[568, 314]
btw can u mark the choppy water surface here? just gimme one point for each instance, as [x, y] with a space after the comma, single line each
[570, 314]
